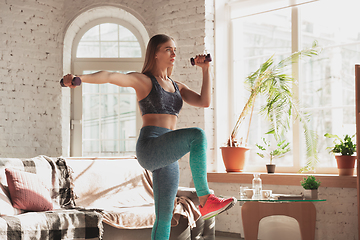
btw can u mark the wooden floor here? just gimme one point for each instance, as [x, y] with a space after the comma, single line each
[227, 236]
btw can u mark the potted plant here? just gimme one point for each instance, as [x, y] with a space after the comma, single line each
[344, 150]
[282, 147]
[271, 81]
[311, 185]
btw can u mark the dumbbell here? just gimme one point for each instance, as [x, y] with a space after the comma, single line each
[207, 59]
[76, 81]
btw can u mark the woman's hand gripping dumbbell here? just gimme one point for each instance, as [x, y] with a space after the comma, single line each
[70, 80]
[207, 58]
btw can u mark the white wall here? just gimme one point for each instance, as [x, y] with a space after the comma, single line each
[30, 67]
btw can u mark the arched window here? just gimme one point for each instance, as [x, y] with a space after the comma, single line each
[105, 117]
[108, 40]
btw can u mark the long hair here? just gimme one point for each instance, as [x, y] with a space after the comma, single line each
[152, 48]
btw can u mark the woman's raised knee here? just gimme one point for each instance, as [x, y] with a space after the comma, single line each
[198, 133]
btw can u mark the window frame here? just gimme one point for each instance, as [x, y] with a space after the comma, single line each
[224, 37]
[78, 65]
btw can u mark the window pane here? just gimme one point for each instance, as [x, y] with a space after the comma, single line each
[90, 148]
[327, 83]
[104, 40]
[130, 49]
[90, 117]
[320, 121]
[109, 148]
[91, 129]
[127, 90]
[88, 50]
[90, 88]
[109, 32]
[125, 35]
[256, 39]
[127, 105]
[109, 88]
[92, 106]
[129, 145]
[109, 49]
[109, 117]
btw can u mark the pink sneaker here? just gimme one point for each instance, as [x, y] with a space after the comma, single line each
[215, 206]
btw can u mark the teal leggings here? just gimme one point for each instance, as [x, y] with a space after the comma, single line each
[158, 150]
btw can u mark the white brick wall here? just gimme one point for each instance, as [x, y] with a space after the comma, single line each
[30, 66]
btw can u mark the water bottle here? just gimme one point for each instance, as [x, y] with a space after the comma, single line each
[256, 184]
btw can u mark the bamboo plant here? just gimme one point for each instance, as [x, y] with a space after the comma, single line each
[272, 82]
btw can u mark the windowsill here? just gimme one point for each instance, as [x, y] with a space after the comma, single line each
[290, 179]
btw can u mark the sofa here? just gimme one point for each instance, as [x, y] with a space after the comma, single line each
[88, 198]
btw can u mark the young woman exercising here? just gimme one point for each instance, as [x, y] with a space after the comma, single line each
[160, 146]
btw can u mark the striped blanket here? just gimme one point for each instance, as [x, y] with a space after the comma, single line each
[65, 221]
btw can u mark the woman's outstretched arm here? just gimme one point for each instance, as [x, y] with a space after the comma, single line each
[101, 77]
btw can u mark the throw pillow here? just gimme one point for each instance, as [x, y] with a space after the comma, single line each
[6, 208]
[27, 191]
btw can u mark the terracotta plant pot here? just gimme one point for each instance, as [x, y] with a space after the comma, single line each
[270, 168]
[346, 165]
[234, 158]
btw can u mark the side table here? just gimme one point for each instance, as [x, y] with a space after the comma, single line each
[253, 210]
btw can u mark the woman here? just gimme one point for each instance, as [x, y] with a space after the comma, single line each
[160, 146]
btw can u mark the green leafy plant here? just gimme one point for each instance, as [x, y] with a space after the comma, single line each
[271, 81]
[310, 183]
[282, 147]
[346, 146]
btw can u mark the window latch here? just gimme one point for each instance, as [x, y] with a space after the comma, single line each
[73, 122]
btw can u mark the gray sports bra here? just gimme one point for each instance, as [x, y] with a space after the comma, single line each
[159, 101]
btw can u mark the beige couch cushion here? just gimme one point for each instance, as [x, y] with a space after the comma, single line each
[116, 186]
[130, 218]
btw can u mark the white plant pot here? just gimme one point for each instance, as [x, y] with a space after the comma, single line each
[311, 193]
